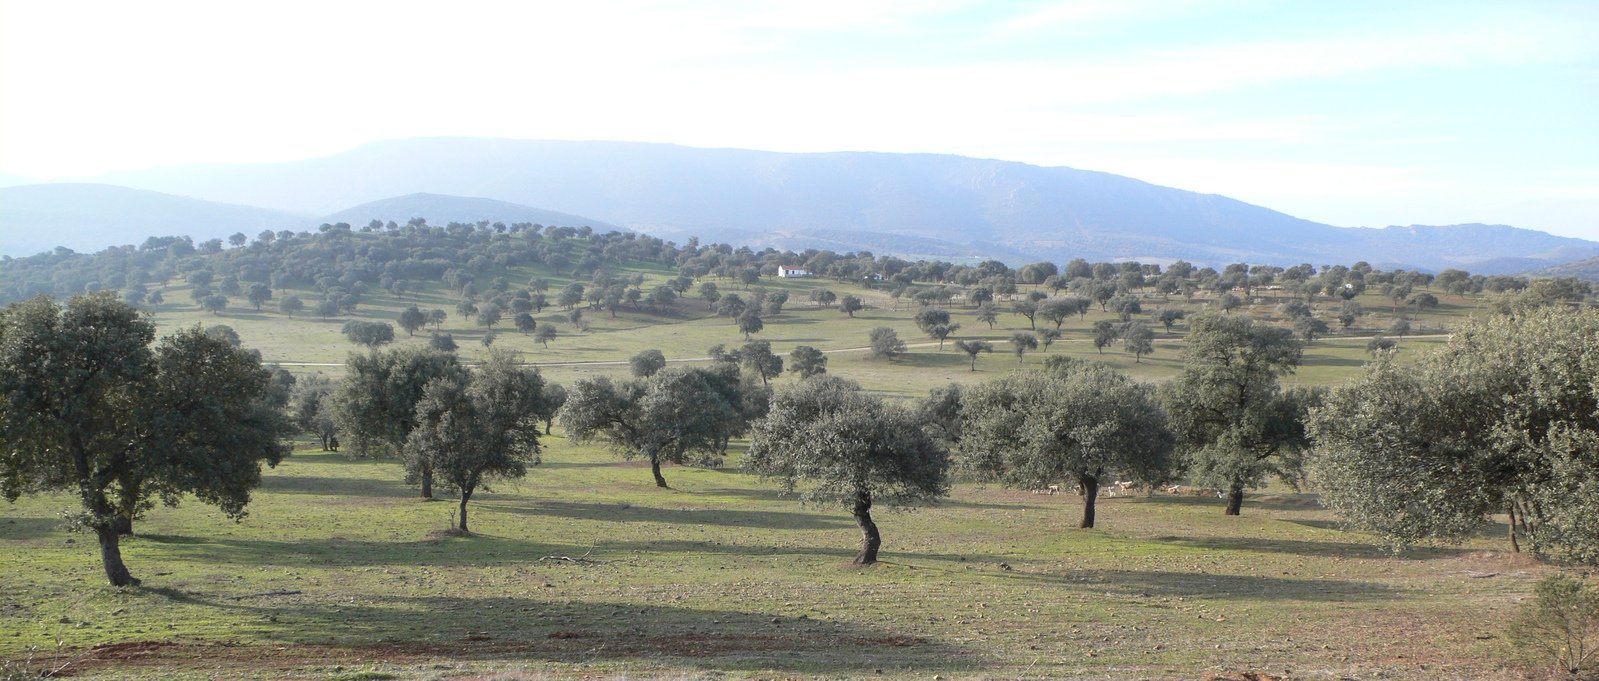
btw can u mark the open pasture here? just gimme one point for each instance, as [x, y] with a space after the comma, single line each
[585, 569]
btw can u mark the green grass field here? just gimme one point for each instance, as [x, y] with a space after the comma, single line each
[586, 569]
[339, 570]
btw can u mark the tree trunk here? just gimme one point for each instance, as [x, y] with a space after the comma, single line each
[123, 524]
[1089, 485]
[870, 539]
[128, 503]
[111, 557]
[1235, 501]
[465, 495]
[427, 482]
[548, 423]
[1515, 546]
[655, 468]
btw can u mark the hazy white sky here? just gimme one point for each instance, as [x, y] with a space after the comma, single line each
[1348, 112]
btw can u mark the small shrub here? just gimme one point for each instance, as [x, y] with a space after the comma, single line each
[1561, 626]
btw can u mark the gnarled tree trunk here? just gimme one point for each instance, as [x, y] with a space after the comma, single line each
[111, 557]
[1235, 501]
[465, 495]
[871, 541]
[1089, 486]
[427, 481]
[655, 469]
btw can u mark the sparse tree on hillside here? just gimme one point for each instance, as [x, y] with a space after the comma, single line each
[884, 343]
[412, 319]
[807, 361]
[1138, 339]
[1047, 337]
[544, 335]
[1021, 342]
[1028, 309]
[988, 314]
[757, 356]
[554, 397]
[89, 408]
[1075, 421]
[1235, 425]
[472, 429]
[443, 342]
[376, 401]
[850, 305]
[830, 442]
[973, 348]
[750, 322]
[645, 364]
[662, 418]
[1105, 333]
[369, 334]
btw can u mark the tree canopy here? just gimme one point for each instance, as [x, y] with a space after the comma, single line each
[474, 428]
[1505, 419]
[1235, 425]
[1074, 421]
[830, 442]
[86, 406]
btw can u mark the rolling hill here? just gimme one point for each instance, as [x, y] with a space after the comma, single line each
[948, 206]
[441, 209]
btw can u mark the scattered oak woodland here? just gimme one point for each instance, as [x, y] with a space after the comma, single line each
[523, 371]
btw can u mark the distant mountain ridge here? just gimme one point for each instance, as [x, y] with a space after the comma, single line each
[89, 217]
[946, 206]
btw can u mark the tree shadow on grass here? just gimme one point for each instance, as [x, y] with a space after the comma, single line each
[471, 549]
[29, 528]
[782, 520]
[519, 628]
[1218, 586]
[1326, 361]
[839, 553]
[342, 487]
[1297, 547]
[1270, 503]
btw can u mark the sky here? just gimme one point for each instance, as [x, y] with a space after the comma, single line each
[1352, 113]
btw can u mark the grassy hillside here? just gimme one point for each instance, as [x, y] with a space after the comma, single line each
[305, 343]
[341, 573]
[586, 569]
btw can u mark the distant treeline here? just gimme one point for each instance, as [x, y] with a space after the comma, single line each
[343, 263]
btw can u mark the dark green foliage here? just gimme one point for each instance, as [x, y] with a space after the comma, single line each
[224, 333]
[758, 358]
[412, 319]
[885, 344]
[807, 361]
[370, 334]
[663, 418]
[443, 342]
[1505, 419]
[1021, 342]
[1138, 339]
[851, 304]
[86, 406]
[645, 364]
[830, 442]
[376, 402]
[973, 348]
[1235, 425]
[1074, 421]
[472, 429]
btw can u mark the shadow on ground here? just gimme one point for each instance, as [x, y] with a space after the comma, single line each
[504, 628]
